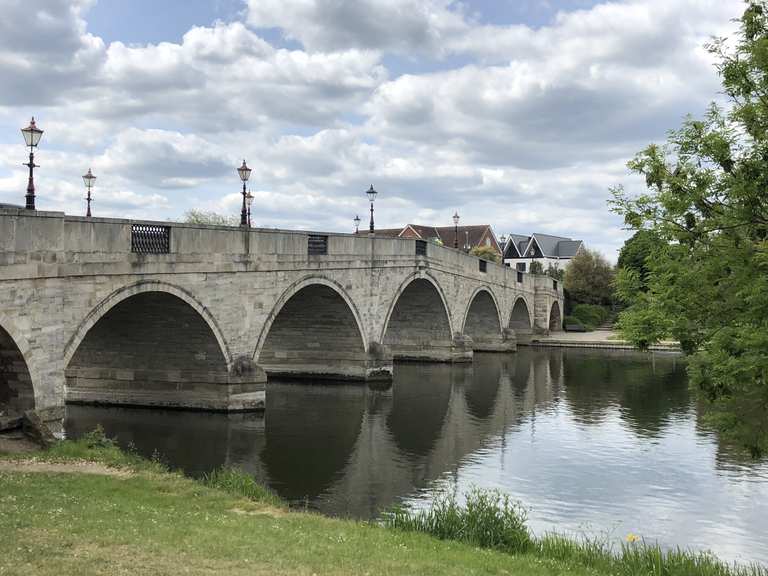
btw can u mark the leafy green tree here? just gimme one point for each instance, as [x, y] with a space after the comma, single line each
[707, 282]
[486, 253]
[554, 271]
[212, 218]
[588, 278]
[635, 252]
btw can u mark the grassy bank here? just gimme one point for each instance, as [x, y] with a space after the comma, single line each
[86, 508]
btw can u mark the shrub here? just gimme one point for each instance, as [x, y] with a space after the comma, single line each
[486, 253]
[488, 519]
[577, 324]
[590, 314]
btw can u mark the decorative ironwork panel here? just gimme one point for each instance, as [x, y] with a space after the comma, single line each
[317, 244]
[421, 247]
[150, 239]
[483, 265]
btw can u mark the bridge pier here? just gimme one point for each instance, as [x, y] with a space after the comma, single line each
[505, 342]
[454, 351]
[243, 389]
[319, 364]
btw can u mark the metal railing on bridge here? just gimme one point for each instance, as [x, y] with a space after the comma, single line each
[150, 239]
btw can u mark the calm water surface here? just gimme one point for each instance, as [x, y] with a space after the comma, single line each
[592, 442]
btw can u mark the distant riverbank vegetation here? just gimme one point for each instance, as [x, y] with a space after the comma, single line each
[701, 257]
[85, 507]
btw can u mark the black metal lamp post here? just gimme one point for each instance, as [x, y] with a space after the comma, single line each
[244, 173]
[456, 230]
[371, 196]
[357, 223]
[249, 201]
[88, 179]
[32, 135]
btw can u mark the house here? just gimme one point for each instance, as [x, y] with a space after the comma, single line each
[468, 236]
[552, 251]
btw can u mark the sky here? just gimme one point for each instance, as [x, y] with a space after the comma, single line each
[521, 114]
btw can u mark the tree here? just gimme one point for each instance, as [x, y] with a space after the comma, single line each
[536, 267]
[707, 282]
[486, 253]
[554, 271]
[588, 278]
[212, 218]
[635, 252]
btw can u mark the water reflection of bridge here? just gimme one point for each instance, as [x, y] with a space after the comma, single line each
[351, 450]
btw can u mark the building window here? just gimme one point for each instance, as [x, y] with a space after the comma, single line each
[521, 266]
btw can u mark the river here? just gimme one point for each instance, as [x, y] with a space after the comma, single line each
[593, 443]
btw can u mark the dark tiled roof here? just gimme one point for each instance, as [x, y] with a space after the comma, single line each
[550, 246]
[568, 248]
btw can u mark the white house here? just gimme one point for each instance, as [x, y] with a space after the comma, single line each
[555, 251]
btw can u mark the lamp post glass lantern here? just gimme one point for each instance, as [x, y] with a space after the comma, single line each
[371, 196]
[249, 201]
[357, 223]
[32, 135]
[244, 173]
[89, 180]
[456, 230]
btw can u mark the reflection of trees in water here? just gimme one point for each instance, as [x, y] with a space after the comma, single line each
[482, 388]
[421, 394]
[310, 434]
[731, 456]
[650, 398]
[647, 391]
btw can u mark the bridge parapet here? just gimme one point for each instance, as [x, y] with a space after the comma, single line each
[52, 238]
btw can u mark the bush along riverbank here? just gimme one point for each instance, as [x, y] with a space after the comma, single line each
[85, 507]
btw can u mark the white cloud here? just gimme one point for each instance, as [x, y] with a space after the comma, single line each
[403, 26]
[523, 127]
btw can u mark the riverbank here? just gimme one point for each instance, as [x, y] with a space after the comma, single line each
[603, 339]
[86, 508]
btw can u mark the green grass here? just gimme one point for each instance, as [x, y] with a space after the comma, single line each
[146, 520]
[238, 483]
[488, 519]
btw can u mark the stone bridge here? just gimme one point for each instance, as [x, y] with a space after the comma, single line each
[97, 310]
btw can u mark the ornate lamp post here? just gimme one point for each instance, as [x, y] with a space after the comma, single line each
[244, 173]
[456, 230]
[88, 179]
[357, 223]
[371, 196]
[32, 135]
[249, 201]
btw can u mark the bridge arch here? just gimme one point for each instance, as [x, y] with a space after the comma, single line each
[418, 322]
[17, 390]
[482, 319]
[145, 286]
[555, 320]
[314, 329]
[150, 343]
